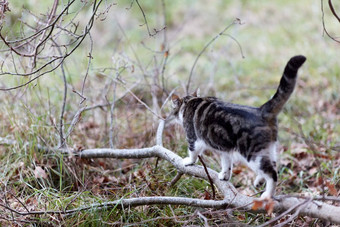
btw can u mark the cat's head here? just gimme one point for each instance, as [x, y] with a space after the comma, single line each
[178, 104]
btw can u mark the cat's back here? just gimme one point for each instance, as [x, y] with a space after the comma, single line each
[210, 110]
[225, 126]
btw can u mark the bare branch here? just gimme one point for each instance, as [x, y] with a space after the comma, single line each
[323, 20]
[50, 24]
[74, 121]
[333, 10]
[58, 59]
[146, 22]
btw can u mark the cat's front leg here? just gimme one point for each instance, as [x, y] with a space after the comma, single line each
[196, 147]
[227, 167]
[193, 155]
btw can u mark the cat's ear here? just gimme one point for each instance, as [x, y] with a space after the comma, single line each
[196, 93]
[175, 100]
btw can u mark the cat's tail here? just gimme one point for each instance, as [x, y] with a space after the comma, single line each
[273, 107]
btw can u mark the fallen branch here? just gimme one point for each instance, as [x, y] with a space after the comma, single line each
[232, 198]
[316, 209]
[132, 202]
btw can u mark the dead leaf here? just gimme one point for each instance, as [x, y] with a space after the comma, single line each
[312, 171]
[319, 181]
[258, 204]
[241, 218]
[332, 189]
[40, 173]
[270, 206]
[126, 165]
[102, 164]
[98, 180]
[237, 170]
[206, 195]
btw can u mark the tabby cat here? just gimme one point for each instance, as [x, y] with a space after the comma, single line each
[237, 132]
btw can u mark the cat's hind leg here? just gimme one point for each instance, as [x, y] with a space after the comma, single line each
[227, 166]
[264, 165]
[271, 181]
[266, 169]
[259, 180]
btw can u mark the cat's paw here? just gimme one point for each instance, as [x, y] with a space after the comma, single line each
[188, 161]
[259, 180]
[224, 176]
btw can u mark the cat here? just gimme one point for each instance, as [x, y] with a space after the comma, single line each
[236, 132]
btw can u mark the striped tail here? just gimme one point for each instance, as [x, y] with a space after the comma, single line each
[273, 107]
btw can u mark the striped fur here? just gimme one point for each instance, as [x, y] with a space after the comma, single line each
[273, 107]
[235, 131]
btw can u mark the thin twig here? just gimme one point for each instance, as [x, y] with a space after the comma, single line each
[210, 180]
[112, 107]
[165, 48]
[109, 103]
[73, 199]
[6, 200]
[333, 10]
[175, 179]
[238, 44]
[143, 103]
[88, 67]
[285, 213]
[146, 22]
[62, 112]
[204, 218]
[323, 23]
[74, 121]
[43, 39]
[296, 213]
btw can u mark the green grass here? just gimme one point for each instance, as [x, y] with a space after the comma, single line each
[271, 33]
